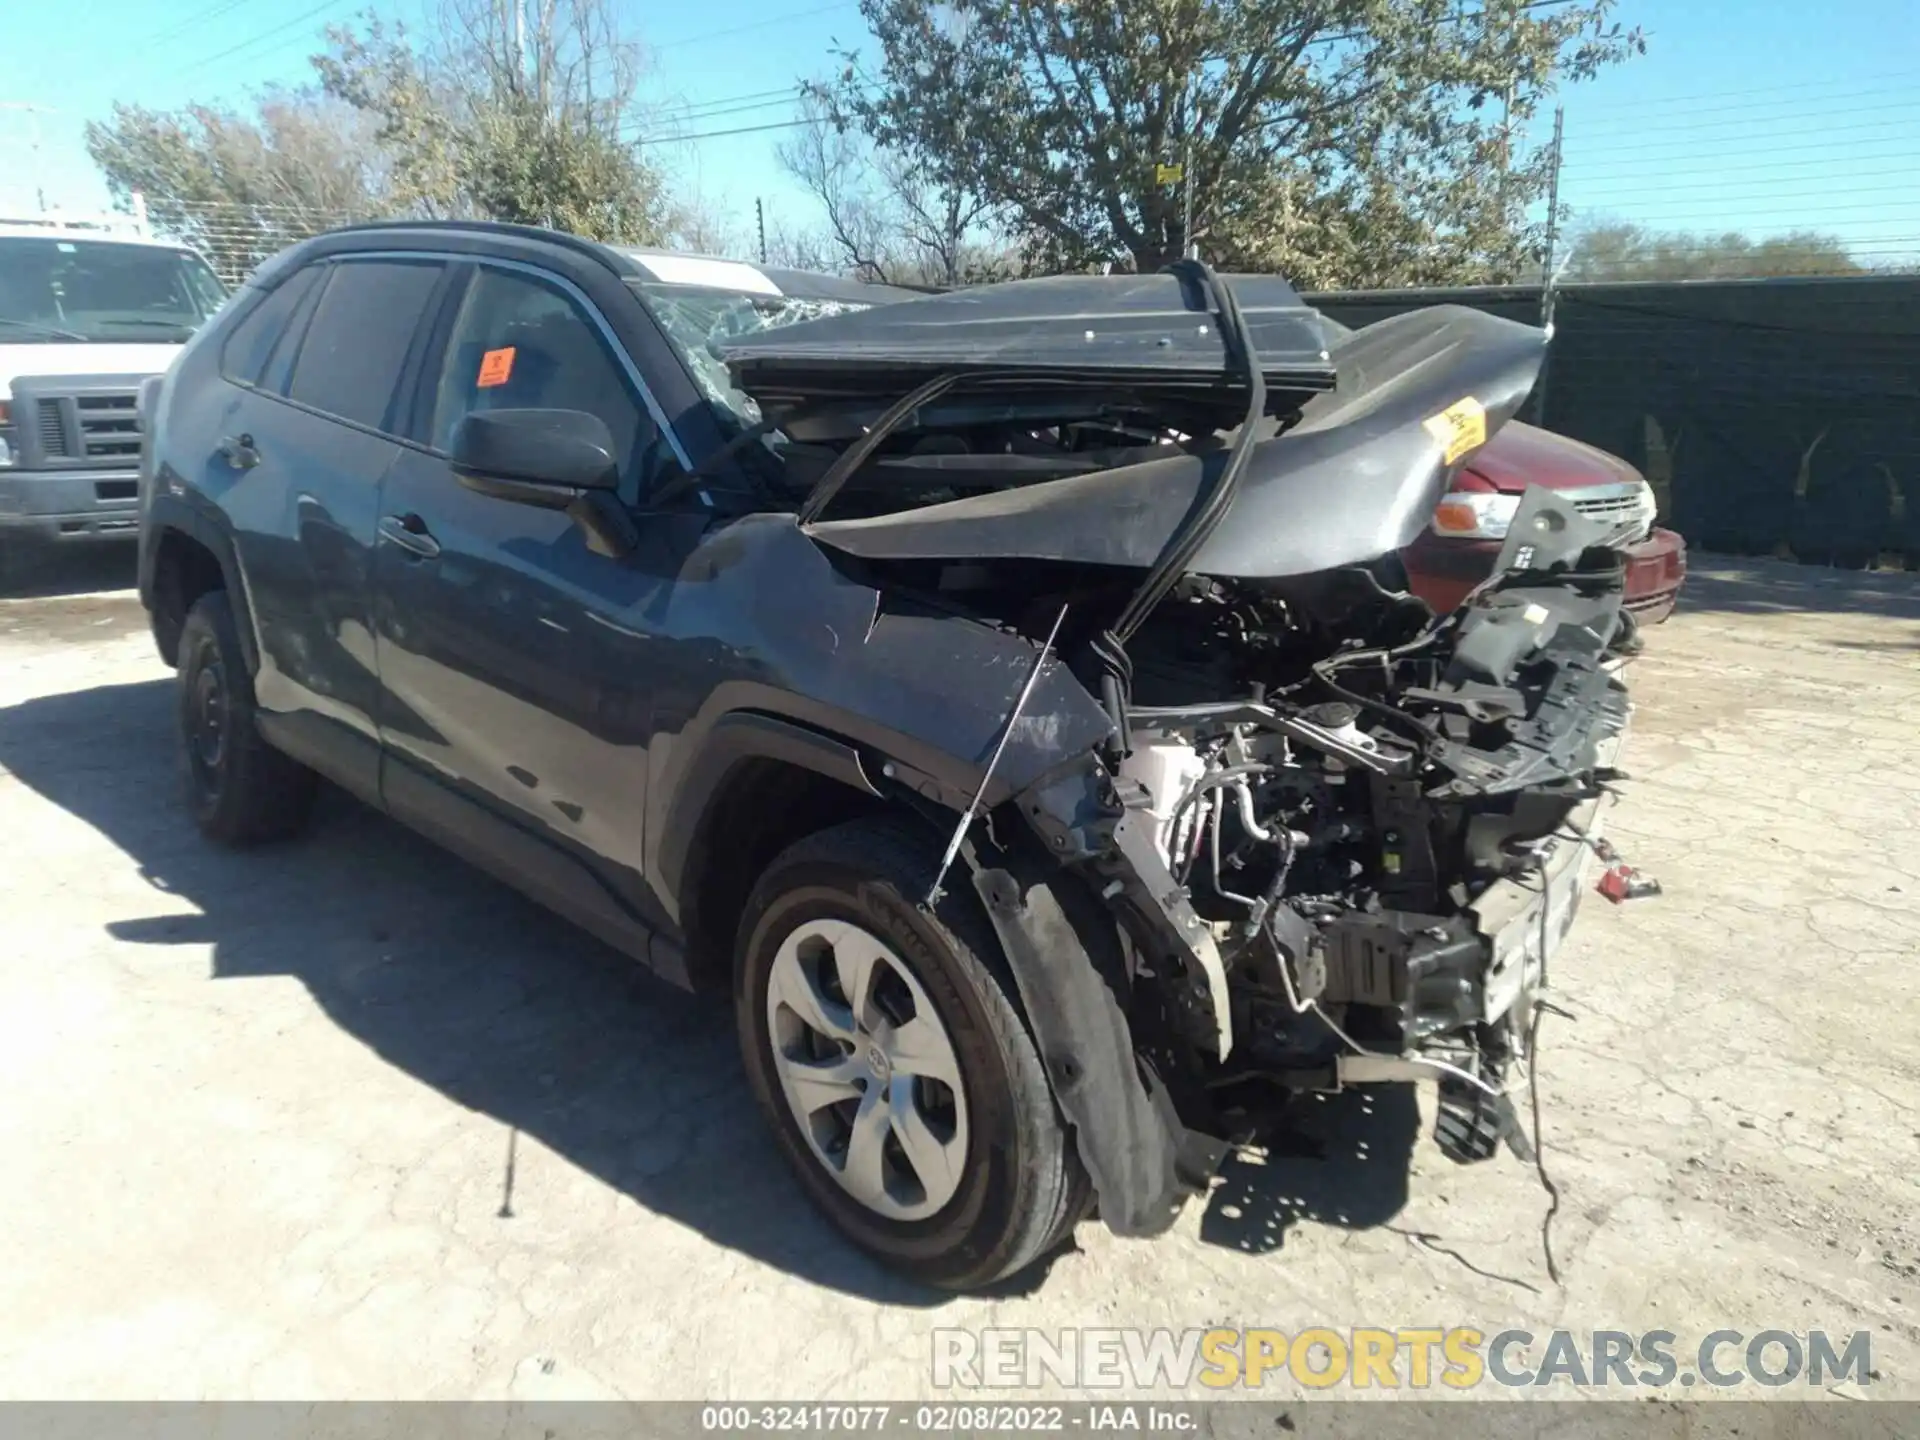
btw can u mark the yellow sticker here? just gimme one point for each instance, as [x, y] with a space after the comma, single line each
[1459, 428]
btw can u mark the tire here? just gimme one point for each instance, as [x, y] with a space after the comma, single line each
[1005, 1185]
[240, 789]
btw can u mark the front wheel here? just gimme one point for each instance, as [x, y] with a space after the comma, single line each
[888, 1052]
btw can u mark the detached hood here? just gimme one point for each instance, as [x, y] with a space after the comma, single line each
[1150, 334]
[1357, 477]
[86, 359]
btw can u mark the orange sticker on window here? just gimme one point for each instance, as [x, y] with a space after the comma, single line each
[495, 367]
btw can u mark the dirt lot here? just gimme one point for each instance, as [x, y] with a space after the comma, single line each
[346, 1119]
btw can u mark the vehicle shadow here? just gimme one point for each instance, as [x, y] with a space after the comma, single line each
[456, 980]
[73, 570]
[507, 1010]
[1341, 1160]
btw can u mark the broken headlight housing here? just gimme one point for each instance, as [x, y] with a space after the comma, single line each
[1474, 515]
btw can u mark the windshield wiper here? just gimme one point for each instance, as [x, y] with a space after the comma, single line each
[186, 325]
[37, 328]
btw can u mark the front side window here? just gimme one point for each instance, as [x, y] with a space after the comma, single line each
[58, 290]
[356, 344]
[520, 343]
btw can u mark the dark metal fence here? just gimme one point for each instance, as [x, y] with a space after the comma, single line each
[1773, 417]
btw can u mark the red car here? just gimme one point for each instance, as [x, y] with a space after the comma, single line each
[1457, 550]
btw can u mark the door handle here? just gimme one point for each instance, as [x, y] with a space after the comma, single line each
[410, 533]
[239, 451]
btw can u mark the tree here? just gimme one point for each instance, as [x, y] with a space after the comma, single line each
[1620, 251]
[519, 110]
[1340, 141]
[239, 187]
[695, 224]
[887, 218]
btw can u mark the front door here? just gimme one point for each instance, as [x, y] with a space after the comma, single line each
[515, 711]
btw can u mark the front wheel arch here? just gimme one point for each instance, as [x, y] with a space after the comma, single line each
[760, 785]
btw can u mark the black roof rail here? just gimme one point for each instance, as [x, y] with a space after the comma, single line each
[606, 254]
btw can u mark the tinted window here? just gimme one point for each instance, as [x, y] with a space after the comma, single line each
[519, 342]
[356, 345]
[245, 354]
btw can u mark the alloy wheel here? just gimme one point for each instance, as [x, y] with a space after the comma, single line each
[868, 1069]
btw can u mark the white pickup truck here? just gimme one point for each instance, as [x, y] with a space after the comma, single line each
[87, 311]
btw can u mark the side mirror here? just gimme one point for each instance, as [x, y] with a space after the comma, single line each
[552, 459]
[534, 457]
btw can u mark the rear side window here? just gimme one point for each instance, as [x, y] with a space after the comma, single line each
[356, 345]
[244, 357]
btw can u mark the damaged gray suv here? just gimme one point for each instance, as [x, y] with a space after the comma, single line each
[1009, 696]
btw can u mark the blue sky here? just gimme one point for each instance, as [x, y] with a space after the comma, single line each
[1757, 115]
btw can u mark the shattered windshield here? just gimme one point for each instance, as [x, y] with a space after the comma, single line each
[696, 318]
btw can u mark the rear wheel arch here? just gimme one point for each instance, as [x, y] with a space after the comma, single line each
[183, 571]
[192, 558]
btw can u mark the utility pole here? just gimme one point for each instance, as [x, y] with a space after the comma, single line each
[1192, 250]
[1553, 205]
[33, 114]
[1548, 279]
[1186, 221]
[760, 222]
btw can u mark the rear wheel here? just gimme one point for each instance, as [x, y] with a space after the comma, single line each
[887, 1049]
[240, 789]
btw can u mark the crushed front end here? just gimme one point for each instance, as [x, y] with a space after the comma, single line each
[1331, 837]
[1345, 838]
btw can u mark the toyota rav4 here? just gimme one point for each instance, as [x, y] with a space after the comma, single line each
[1011, 697]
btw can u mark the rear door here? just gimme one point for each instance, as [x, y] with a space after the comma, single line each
[514, 662]
[308, 448]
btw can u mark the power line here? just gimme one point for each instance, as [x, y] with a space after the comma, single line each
[786, 98]
[741, 130]
[198, 17]
[306, 17]
[1728, 206]
[1682, 126]
[763, 24]
[1707, 170]
[724, 104]
[1845, 82]
[1735, 146]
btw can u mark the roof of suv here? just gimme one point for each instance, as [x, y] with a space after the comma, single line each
[637, 262]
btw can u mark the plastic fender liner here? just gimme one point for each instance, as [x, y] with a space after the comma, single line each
[1067, 964]
[1077, 813]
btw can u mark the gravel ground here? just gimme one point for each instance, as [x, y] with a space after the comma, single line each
[346, 1119]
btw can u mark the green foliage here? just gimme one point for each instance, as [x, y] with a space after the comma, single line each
[1342, 142]
[239, 187]
[1619, 251]
[526, 119]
